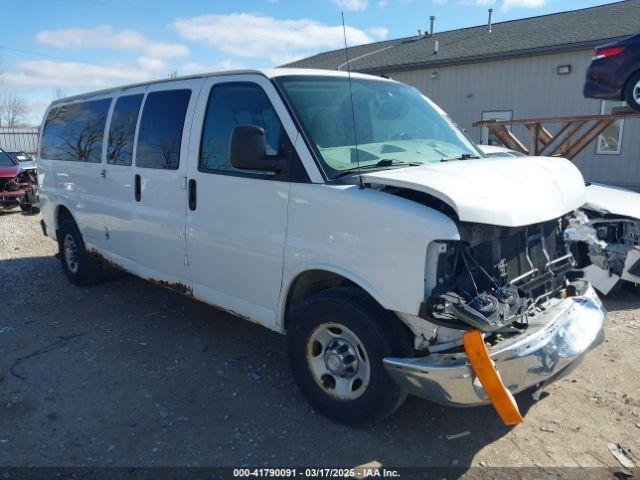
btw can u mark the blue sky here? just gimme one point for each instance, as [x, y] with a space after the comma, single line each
[61, 47]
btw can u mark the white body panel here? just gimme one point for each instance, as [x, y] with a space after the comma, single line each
[28, 165]
[494, 149]
[118, 209]
[374, 239]
[160, 243]
[617, 201]
[511, 192]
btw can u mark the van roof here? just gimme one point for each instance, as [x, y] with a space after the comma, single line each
[268, 73]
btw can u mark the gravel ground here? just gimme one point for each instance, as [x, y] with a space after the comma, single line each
[129, 374]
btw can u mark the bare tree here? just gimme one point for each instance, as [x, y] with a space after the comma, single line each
[13, 111]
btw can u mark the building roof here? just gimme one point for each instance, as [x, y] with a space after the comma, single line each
[557, 32]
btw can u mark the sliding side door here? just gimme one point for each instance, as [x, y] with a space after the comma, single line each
[159, 182]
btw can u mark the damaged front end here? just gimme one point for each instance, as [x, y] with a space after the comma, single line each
[606, 248]
[516, 285]
[494, 277]
[18, 189]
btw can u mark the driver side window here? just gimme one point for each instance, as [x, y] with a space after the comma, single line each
[232, 105]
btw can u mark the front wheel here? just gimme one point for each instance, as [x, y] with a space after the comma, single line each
[28, 201]
[632, 92]
[336, 342]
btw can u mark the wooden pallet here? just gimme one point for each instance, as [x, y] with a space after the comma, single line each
[574, 135]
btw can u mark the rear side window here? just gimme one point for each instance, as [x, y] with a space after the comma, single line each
[161, 126]
[235, 104]
[122, 129]
[75, 132]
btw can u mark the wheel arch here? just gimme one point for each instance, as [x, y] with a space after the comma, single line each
[314, 279]
[62, 212]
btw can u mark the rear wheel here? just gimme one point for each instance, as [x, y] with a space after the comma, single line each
[632, 92]
[78, 266]
[336, 343]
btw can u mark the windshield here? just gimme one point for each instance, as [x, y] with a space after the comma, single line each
[19, 156]
[5, 160]
[396, 124]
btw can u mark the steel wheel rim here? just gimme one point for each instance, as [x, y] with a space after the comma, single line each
[71, 253]
[636, 92]
[338, 361]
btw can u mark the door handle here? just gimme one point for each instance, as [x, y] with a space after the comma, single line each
[103, 173]
[137, 187]
[193, 195]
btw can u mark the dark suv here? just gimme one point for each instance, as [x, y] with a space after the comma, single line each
[614, 73]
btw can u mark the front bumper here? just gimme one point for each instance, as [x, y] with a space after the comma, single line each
[555, 342]
[11, 198]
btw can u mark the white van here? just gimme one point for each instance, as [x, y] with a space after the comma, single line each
[375, 248]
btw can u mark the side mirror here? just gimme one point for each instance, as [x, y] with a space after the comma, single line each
[248, 149]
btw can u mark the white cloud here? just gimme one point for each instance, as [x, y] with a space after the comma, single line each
[193, 68]
[379, 33]
[352, 5]
[103, 36]
[383, 3]
[227, 64]
[75, 75]
[477, 3]
[509, 4]
[258, 36]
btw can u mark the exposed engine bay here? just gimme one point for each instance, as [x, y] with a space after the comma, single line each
[606, 247]
[495, 278]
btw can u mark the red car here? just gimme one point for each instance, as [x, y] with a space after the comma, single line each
[16, 188]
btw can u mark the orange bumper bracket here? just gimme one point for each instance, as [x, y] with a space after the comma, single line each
[487, 373]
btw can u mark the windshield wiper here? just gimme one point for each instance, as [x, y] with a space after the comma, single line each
[385, 162]
[464, 156]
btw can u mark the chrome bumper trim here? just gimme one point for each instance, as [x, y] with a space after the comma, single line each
[556, 339]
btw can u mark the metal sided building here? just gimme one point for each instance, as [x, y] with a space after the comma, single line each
[528, 68]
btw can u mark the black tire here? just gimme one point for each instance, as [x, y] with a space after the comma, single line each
[632, 92]
[29, 209]
[80, 270]
[28, 201]
[381, 335]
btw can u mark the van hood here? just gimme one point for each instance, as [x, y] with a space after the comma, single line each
[510, 192]
[613, 200]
